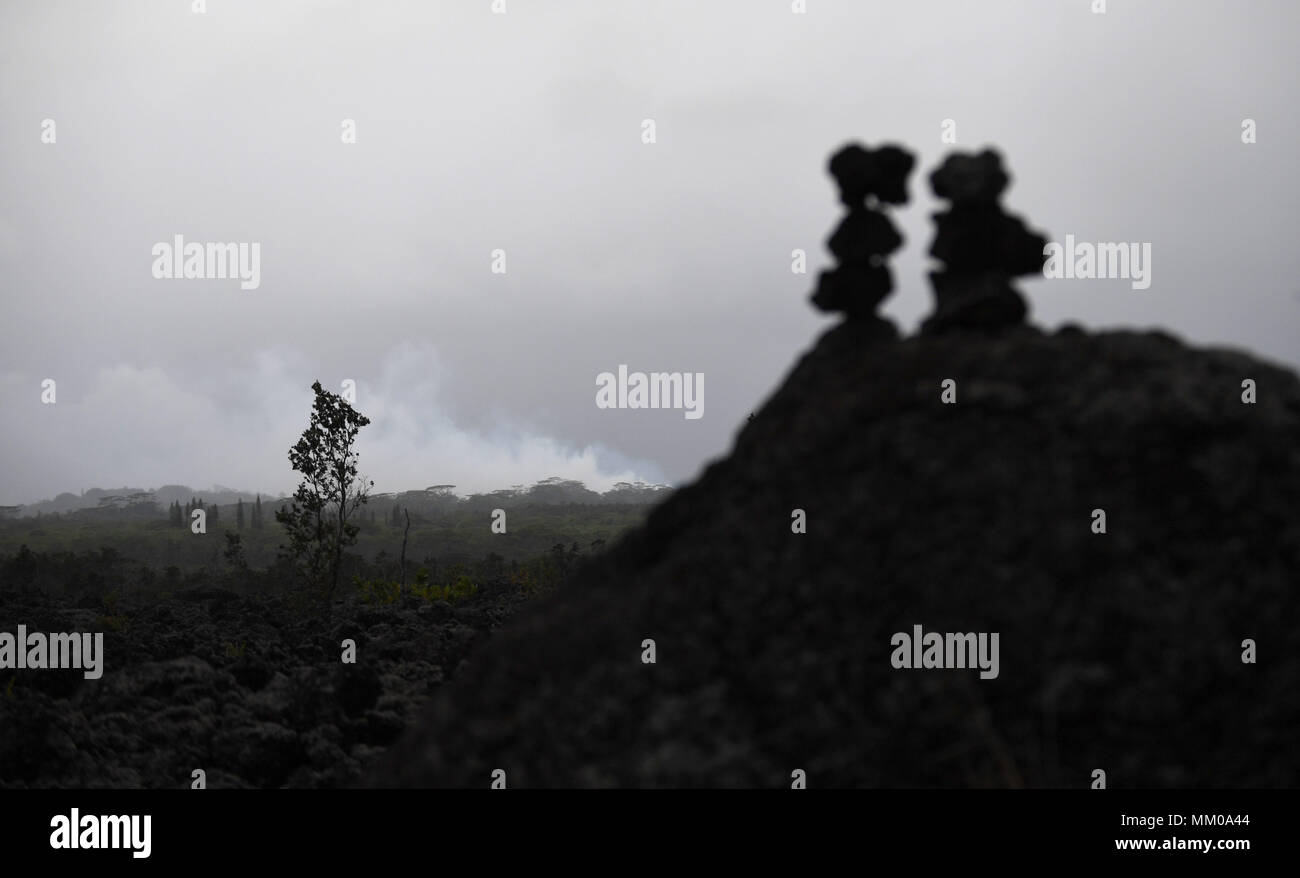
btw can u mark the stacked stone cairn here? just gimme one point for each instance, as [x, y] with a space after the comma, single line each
[982, 248]
[860, 281]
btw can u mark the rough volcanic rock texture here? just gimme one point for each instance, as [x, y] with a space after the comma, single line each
[248, 689]
[1119, 651]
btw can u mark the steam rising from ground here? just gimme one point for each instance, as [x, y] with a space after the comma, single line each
[235, 426]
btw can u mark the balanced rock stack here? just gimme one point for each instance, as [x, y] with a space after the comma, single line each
[860, 281]
[981, 247]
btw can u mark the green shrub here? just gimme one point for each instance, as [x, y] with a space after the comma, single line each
[459, 590]
[377, 591]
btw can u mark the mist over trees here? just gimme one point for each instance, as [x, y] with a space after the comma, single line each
[174, 502]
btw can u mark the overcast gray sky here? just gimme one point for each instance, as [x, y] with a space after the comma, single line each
[523, 131]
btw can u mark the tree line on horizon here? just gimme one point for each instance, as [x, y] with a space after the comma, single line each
[121, 504]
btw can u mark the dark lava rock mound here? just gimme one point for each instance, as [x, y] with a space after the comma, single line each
[1120, 651]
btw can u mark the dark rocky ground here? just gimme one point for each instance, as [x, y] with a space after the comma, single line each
[249, 689]
[1118, 651]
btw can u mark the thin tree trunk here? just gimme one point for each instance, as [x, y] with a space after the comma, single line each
[342, 521]
[402, 562]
